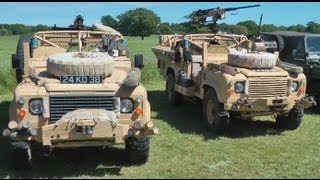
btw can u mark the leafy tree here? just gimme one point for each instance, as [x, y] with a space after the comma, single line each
[204, 30]
[251, 26]
[313, 27]
[224, 27]
[165, 28]
[238, 29]
[139, 22]
[178, 28]
[18, 29]
[40, 27]
[191, 27]
[5, 32]
[298, 27]
[110, 21]
[268, 28]
[282, 28]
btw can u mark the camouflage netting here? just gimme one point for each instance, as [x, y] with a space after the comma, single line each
[101, 27]
[290, 67]
[133, 78]
[258, 60]
[80, 63]
[90, 114]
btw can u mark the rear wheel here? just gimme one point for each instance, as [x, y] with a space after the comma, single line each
[217, 120]
[21, 155]
[292, 120]
[174, 97]
[138, 149]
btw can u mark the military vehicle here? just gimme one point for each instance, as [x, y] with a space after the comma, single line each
[302, 49]
[233, 76]
[77, 89]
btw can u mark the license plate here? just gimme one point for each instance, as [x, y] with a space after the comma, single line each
[72, 79]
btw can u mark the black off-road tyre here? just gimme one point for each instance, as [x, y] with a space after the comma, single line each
[174, 97]
[292, 120]
[138, 149]
[21, 156]
[18, 58]
[19, 73]
[216, 119]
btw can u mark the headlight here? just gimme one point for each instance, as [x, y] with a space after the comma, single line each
[36, 106]
[293, 86]
[126, 105]
[238, 87]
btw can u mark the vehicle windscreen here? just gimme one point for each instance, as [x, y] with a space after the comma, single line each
[313, 43]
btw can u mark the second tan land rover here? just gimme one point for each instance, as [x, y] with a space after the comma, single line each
[233, 76]
[230, 81]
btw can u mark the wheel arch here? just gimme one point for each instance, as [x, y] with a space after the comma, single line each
[170, 70]
[219, 92]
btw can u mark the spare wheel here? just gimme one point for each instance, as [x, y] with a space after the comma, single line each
[80, 63]
[252, 60]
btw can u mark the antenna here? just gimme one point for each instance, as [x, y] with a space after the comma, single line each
[259, 28]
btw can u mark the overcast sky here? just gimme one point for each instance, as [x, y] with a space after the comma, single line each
[63, 14]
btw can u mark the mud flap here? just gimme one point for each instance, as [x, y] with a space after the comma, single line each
[21, 155]
[224, 118]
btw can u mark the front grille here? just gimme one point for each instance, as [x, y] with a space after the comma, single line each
[60, 105]
[263, 88]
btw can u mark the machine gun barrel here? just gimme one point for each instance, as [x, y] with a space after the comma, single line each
[241, 7]
[201, 12]
[201, 15]
[217, 10]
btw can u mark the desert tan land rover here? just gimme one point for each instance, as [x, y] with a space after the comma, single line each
[231, 79]
[77, 89]
[233, 76]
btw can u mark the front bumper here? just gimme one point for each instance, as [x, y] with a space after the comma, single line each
[82, 128]
[72, 131]
[270, 105]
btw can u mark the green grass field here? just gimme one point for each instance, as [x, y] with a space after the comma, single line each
[184, 149]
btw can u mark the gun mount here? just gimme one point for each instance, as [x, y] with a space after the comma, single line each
[77, 25]
[200, 16]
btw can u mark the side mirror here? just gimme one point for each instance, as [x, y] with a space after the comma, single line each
[138, 61]
[294, 53]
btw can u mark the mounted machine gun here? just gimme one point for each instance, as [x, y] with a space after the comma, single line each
[77, 25]
[200, 16]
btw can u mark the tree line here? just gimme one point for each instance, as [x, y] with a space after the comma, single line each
[134, 23]
[21, 29]
[143, 22]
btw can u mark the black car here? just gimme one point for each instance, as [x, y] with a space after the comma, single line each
[302, 49]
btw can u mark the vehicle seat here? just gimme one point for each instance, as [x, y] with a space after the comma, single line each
[217, 54]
